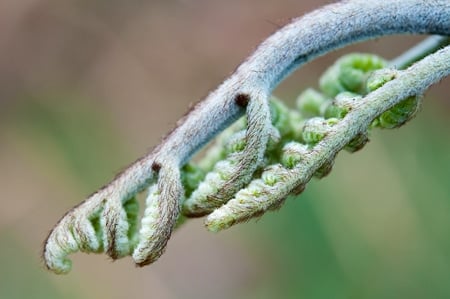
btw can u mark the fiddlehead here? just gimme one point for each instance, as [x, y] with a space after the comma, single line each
[163, 206]
[235, 173]
[324, 138]
[104, 215]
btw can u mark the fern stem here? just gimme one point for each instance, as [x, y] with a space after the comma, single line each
[419, 51]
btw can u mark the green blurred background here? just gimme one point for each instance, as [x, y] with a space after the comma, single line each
[88, 86]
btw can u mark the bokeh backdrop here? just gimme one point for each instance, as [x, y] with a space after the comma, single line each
[87, 86]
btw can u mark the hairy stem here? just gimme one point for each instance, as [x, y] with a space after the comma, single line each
[304, 39]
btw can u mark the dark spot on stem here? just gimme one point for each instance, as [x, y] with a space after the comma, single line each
[156, 166]
[242, 99]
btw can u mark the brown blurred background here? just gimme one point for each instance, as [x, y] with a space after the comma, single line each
[88, 86]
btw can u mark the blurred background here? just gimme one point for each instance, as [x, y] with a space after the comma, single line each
[86, 87]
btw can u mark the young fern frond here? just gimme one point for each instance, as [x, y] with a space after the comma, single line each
[323, 136]
[278, 150]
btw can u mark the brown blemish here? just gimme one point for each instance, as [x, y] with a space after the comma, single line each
[242, 99]
[156, 167]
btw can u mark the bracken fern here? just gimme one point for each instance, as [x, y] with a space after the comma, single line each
[273, 151]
